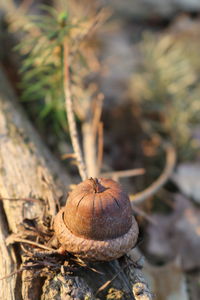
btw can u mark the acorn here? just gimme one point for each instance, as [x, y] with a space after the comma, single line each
[97, 222]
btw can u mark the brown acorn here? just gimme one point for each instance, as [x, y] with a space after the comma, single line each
[97, 221]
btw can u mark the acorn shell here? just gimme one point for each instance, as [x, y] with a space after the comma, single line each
[98, 209]
[97, 222]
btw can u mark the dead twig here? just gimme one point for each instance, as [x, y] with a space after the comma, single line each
[90, 129]
[97, 113]
[164, 177]
[68, 155]
[70, 117]
[125, 173]
[12, 274]
[89, 146]
[12, 239]
[100, 147]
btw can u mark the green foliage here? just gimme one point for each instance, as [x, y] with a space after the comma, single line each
[42, 64]
[168, 91]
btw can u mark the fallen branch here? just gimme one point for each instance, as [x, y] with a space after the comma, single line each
[27, 172]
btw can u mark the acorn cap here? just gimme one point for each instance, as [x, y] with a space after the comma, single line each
[97, 221]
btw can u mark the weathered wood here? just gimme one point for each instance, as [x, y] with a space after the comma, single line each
[27, 169]
[7, 261]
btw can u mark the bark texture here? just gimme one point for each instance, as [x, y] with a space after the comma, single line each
[27, 169]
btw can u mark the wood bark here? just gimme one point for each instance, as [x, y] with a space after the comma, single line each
[27, 169]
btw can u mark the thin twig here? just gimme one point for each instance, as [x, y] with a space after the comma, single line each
[68, 155]
[71, 118]
[100, 147]
[125, 173]
[19, 240]
[97, 113]
[90, 129]
[164, 177]
[12, 273]
[89, 146]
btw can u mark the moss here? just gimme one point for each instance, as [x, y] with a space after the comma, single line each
[114, 294]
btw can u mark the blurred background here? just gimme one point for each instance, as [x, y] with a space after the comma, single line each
[140, 60]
